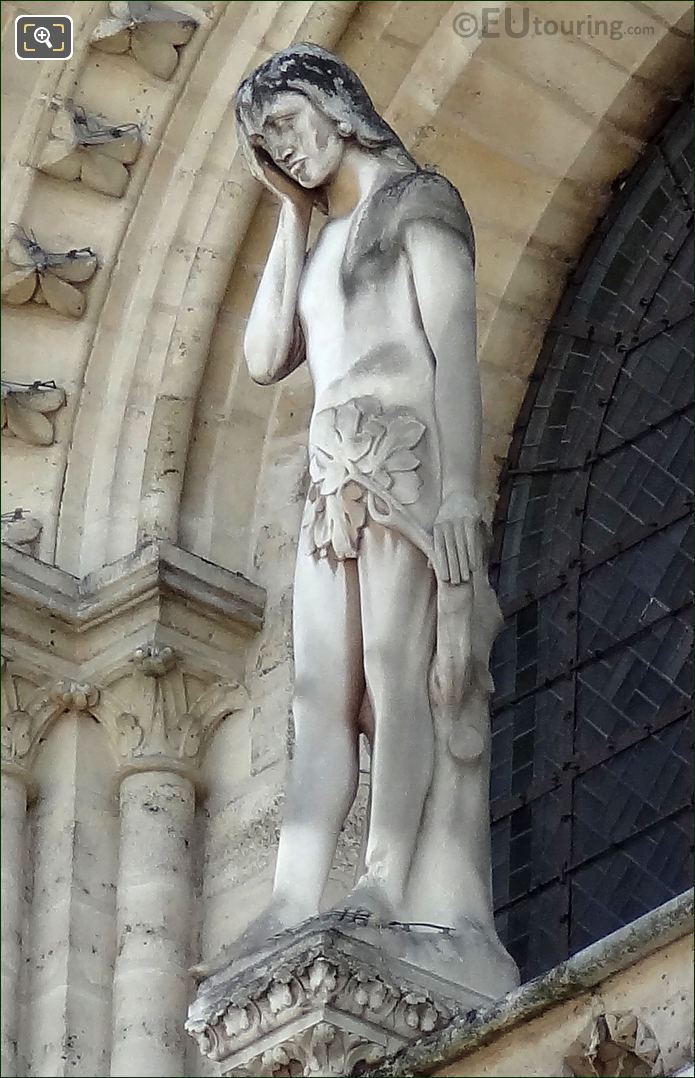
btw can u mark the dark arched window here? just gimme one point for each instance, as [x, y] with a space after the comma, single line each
[592, 562]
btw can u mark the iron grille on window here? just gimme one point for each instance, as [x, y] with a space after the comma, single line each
[592, 561]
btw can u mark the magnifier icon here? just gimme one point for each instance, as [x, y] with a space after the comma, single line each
[42, 35]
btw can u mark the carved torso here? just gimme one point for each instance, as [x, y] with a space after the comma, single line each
[373, 372]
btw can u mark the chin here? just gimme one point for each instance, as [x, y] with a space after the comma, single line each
[309, 181]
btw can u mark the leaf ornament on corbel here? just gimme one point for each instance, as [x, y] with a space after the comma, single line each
[83, 147]
[46, 277]
[28, 410]
[151, 32]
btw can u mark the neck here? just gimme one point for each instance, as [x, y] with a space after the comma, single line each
[360, 172]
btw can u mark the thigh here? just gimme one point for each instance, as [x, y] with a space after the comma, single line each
[327, 637]
[398, 605]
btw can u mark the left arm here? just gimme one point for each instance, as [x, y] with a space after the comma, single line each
[444, 280]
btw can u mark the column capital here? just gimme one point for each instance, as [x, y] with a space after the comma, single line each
[160, 713]
[29, 708]
[154, 647]
[11, 769]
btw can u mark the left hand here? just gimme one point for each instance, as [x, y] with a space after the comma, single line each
[458, 539]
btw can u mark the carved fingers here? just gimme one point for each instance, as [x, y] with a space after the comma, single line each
[458, 545]
[267, 172]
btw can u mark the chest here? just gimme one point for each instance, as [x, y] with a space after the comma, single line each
[320, 291]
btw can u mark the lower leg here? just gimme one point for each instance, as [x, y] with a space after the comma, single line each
[401, 774]
[321, 789]
[328, 692]
[397, 590]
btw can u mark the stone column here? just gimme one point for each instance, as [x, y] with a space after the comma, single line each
[151, 982]
[159, 739]
[15, 782]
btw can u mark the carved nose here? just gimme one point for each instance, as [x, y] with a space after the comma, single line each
[286, 154]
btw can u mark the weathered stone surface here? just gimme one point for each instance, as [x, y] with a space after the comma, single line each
[643, 968]
[121, 680]
[615, 1044]
[163, 435]
[337, 992]
[392, 527]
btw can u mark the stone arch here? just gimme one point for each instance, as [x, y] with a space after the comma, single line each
[553, 205]
[173, 261]
[125, 487]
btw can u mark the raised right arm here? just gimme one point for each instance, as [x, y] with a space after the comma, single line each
[274, 342]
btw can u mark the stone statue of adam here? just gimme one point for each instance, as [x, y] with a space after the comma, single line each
[393, 613]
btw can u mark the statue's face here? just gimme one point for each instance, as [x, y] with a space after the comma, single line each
[301, 140]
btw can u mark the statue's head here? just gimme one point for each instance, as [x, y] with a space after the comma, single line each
[302, 105]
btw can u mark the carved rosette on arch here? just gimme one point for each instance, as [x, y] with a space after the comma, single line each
[320, 1005]
[86, 148]
[152, 33]
[46, 277]
[28, 410]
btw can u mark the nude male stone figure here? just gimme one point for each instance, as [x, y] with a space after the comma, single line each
[390, 593]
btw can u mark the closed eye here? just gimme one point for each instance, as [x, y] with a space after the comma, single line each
[276, 122]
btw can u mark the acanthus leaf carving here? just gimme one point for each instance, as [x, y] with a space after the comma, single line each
[361, 1001]
[16, 736]
[129, 733]
[321, 1050]
[45, 276]
[151, 33]
[174, 717]
[616, 1045]
[25, 723]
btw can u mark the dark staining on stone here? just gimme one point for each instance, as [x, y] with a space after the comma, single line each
[325, 80]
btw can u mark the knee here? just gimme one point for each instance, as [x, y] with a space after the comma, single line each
[394, 671]
[383, 662]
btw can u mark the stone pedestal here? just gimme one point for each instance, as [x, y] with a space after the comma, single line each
[335, 994]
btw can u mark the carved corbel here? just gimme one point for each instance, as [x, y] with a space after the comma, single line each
[47, 277]
[320, 1050]
[151, 33]
[616, 1045]
[86, 148]
[319, 1008]
[28, 410]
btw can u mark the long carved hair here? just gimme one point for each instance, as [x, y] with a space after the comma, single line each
[331, 86]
